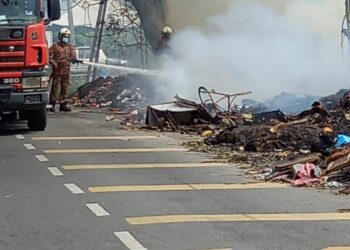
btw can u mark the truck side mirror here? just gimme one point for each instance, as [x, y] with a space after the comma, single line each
[53, 10]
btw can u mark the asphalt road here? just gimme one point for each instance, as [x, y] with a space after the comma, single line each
[85, 184]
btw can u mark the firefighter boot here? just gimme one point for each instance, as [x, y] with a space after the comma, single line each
[53, 107]
[64, 108]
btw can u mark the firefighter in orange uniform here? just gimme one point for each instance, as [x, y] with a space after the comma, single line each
[61, 55]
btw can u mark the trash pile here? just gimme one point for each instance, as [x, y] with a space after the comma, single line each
[180, 115]
[119, 92]
[187, 116]
[309, 149]
[124, 95]
[330, 102]
[331, 170]
[264, 138]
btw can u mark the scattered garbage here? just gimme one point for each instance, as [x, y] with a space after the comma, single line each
[270, 116]
[342, 140]
[311, 148]
[123, 92]
[110, 118]
[180, 114]
[126, 96]
[306, 174]
[188, 116]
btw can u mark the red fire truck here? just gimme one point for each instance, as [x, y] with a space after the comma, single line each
[24, 59]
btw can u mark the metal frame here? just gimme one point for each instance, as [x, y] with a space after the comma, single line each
[231, 109]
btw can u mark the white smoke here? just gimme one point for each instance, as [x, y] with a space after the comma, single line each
[264, 49]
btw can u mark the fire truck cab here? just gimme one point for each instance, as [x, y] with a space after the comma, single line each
[24, 59]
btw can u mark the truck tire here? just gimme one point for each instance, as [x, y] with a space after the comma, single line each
[37, 119]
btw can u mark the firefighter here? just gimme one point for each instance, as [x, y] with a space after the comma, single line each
[163, 43]
[62, 54]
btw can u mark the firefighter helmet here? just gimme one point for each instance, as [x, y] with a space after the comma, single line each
[167, 30]
[64, 32]
[317, 104]
[327, 130]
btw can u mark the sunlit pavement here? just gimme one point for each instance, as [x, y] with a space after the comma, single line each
[85, 184]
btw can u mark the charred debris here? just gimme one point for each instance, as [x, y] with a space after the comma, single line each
[311, 148]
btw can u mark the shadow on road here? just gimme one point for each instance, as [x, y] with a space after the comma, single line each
[13, 127]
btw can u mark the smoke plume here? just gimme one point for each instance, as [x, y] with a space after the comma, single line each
[268, 47]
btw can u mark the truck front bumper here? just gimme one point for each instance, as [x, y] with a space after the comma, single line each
[23, 100]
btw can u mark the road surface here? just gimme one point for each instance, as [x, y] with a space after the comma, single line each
[85, 184]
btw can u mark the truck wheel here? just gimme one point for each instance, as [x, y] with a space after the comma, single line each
[37, 119]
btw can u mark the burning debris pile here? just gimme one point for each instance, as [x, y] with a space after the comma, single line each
[188, 116]
[120, 92]
[264, 138]
[344, 103]
[124, 95]
[180, 115]
[311, 148]
[330, 102]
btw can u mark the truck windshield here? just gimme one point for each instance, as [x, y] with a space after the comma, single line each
[19, 12]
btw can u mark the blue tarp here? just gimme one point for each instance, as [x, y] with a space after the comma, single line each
[104, 73]
[342, 140]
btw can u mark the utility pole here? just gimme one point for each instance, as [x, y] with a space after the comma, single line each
[346, 30]
[95, 40]
[99, 41]
[70, 20]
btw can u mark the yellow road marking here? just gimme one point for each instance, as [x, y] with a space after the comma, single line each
[337, 248]
[113, 150]
[142, 166]
[183, 187]
[73, 138]
[220, 249]
[148, 220]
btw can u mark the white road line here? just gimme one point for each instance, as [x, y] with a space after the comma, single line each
[29, 146]
[97, 209]
[55, 171]
[221, 249]
[20, 137]
[129, 241]
[74, 188]
[41, 158]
